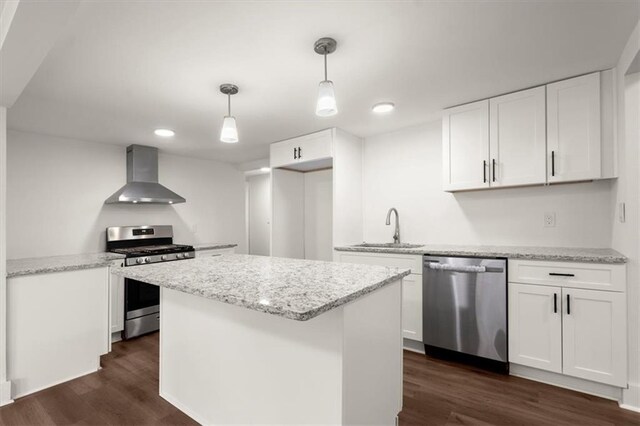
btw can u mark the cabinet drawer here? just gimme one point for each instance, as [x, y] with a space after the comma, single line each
[413, 262]
[215, 252]
[566, 274]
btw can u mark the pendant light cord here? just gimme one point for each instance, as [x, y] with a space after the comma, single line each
[325, 64]
[228, 104]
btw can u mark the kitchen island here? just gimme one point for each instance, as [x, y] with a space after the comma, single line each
[252, 339]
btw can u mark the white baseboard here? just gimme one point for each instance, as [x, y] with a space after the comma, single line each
[413, 346]
[567, 382]
[5, 393]
[57, 382]
[631, 398]
[171, 400]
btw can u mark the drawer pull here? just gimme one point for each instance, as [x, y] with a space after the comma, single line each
[557, 274]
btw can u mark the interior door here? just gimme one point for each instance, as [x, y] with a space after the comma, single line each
[259, 213]
[517, 132]
[595, 335]
[287, 220]
[573, 129]
[535, 326]
[465, 146]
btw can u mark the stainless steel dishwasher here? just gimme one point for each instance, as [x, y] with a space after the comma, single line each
[465, 309]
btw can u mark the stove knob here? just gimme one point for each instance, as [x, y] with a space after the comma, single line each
[147, 260]
[139, 260]
[163, 257]
[180, 256]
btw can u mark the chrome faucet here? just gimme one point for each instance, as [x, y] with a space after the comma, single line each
[396, 235]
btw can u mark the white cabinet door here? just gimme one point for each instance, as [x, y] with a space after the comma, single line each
[283, 153]
[312, 147]
[573, 129]
[518, 138]
[116, 288]
[465, 146]
[595, 335]
[535, 326]
[412, 307]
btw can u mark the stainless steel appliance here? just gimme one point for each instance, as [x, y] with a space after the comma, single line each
[142, 245]
[142, 180]
[465, 308]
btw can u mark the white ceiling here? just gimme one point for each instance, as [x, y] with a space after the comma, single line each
[122, 69]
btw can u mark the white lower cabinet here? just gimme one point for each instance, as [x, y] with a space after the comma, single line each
[411, 285]
[576, 332]
[116, 289]
[595, 335]
[535, 326]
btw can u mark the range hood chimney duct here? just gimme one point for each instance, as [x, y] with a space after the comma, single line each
[142, 180]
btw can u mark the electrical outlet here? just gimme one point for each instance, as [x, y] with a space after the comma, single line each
[549, 219]
[194, 229]
[622, 214]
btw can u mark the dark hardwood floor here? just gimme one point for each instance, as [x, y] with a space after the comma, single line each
[125, 392]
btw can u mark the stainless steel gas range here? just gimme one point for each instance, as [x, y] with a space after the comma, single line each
[142, 245]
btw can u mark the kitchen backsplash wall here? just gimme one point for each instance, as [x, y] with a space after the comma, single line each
[57, 187]
[403, 169]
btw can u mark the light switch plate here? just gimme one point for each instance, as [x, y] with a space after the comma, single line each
[549, 219]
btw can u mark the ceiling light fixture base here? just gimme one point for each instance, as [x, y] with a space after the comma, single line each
[325, 45]
[229, 89]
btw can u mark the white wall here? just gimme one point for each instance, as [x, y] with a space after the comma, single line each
[626, 236]
[57, 187]
[403, 169]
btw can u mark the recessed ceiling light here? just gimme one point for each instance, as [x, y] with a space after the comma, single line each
[383, 107]
[164, 133]
[265, 169]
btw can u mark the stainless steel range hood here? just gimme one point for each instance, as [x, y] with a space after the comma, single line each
[142, 180]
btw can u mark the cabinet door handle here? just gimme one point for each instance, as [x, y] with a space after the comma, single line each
[555, 303]
[553, 163]
[494, 169]
[558, 274]
[299, 153]
[295, 153]
[568, 304]
[484, 171]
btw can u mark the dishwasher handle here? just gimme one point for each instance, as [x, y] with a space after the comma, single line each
[457, 268]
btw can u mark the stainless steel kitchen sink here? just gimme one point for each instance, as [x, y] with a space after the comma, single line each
[388, 245]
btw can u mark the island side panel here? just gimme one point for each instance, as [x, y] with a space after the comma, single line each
[223, 364]
[372, 392]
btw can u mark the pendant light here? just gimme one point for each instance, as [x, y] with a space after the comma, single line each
[326, 104]
[229, 132]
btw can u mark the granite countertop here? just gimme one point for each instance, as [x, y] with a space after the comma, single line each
[292, 288]
[43, 265]
[212, 246]
[566, 254]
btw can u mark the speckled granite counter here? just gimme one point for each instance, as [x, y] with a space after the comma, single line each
[213, 246]
[43, 265]
[291, 288]
[565, 254]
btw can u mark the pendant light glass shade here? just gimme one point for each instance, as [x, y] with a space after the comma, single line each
[229, 132]
[326, 105]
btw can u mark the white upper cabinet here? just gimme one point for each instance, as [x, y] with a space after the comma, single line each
[304, 152]
[561, 132]
[573, 129]
[465, 147]
[517, 138]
